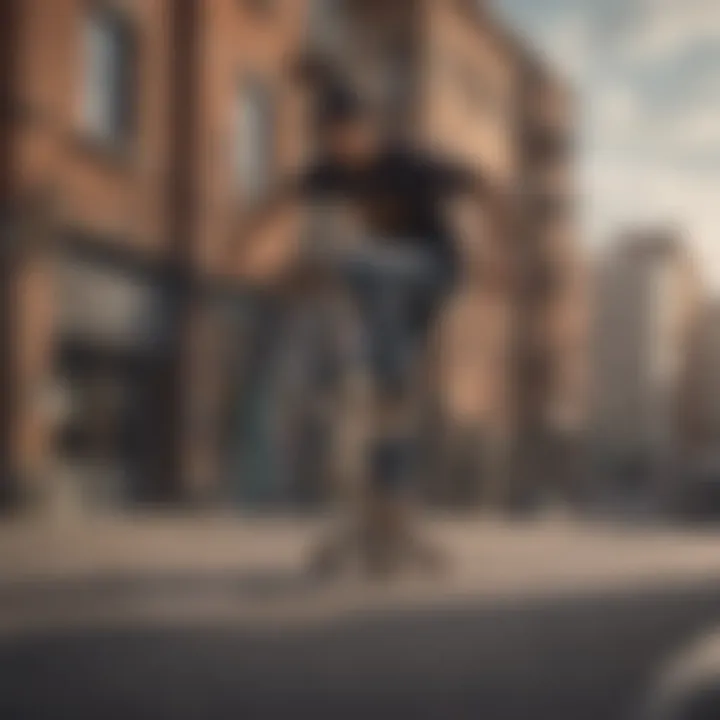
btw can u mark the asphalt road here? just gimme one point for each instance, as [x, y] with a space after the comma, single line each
[575, 658]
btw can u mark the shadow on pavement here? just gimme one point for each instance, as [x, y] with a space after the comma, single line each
[254, 586]
[577, 658]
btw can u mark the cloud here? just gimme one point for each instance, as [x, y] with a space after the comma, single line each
[622, 117]
[649, 72]
[617, 109]
[696, 131]
[626, 191]
[664, 29]
[559, 29]
[565, 43]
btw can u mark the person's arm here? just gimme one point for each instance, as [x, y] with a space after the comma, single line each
[267, 241]
[464, 209]
[474, 213]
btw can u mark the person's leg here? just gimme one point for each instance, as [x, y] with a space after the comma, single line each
[339, 550]
[396, 317]
[369, 417]
[425, 305]
[398, 404]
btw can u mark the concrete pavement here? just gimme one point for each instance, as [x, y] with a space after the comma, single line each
[212, 618]
[249, 571]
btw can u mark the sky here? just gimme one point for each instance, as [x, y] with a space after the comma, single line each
[648, 77]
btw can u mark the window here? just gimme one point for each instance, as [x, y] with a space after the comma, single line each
[108, 77]
[262, 8]
[325, 24]
[398, 76]
[254, 139]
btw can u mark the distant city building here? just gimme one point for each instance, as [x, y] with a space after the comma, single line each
[701, 386]
[647, 300]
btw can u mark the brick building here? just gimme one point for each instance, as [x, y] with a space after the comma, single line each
[552, 298]
[134, 137]
[122, 182]
[449, 75]
[85, 206]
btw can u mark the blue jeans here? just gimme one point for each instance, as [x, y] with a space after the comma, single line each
[398, 302]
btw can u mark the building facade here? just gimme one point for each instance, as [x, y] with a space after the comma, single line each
[84, 205]
[135, 137]
[129, 130]
[452, 78]
[552, 300]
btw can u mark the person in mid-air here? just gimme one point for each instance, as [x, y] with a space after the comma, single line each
[403, 200]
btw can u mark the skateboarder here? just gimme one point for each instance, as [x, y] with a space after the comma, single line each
[409, 207]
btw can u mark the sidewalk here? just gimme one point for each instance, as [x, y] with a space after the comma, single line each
[88, 546]
[250, 570]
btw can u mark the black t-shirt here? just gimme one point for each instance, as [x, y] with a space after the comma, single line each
[399, 196]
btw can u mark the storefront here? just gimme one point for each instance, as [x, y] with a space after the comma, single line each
[110, 352]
